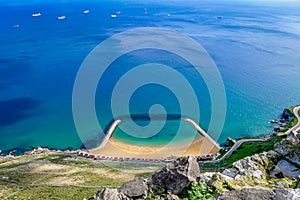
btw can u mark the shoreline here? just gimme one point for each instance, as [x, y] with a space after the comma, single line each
[197, 147]
[19, 152]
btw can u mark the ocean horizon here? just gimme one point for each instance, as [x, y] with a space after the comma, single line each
[256, 47]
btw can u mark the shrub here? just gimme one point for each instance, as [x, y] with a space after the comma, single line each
[198, 191]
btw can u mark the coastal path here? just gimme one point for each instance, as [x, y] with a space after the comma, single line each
[235, 147]
[240, 142]
[297, 126]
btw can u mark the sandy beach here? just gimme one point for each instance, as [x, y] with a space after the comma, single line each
[199, 146]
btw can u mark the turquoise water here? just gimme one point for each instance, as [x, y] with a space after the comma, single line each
[168, 135]
[256, 49]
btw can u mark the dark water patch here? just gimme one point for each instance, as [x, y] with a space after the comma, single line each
[15, 151]
[92, 143]
[108, 126]
[25, 56]
[147, 117]
[14, 71]
[190, 21]
[14, 67]
[14, 110]
[2, 87]
[250, 45]
[259, 29]
[29, 41]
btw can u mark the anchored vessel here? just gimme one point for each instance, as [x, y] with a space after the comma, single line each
[36, 14]
[61, 17]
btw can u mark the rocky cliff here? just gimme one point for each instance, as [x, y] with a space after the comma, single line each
[269, 175]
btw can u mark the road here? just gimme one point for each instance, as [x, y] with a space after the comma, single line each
[235, 147]
[297, 126]
[240, 142]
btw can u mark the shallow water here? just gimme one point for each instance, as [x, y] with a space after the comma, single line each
[256, 49]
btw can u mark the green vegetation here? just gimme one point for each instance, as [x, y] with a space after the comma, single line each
[246, 149]
[295, 184]
[14, 191]
[58, 159]
[194, 191]
[199, 191]
[294, 120]
[57, 176]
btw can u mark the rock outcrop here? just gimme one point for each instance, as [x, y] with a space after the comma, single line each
[264, 176]
[249, 172]
[136, 188]
[261, 194]
[176, 176]
[166, 183]
[107, 194]
[289, 148]
[285, 169]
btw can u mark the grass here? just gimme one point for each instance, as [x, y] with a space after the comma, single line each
[246, 149]
[41, 193]
[64, 177]
[199, 191]
[293, 122]
[58, 159]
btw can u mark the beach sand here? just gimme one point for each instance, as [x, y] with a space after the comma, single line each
[199, 146]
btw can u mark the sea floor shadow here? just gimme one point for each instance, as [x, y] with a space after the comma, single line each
[14, 110]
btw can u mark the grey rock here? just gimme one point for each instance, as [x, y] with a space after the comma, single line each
[285, 169]
[255, 166]
[231, 172]
[106, 194]
[257, 174]
[294, 136]
[175, 176]
[295, 157]
[283, 147]
[248, 167]
[287, 194]
[167, 197]
[136, 188]
[261, 194]
[249, 194]
[290, 149]
[206, 176]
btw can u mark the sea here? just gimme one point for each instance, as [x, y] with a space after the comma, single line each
[254, 44]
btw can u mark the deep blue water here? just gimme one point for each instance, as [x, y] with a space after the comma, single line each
[255, 46]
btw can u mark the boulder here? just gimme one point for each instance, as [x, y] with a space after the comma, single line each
[261, 194]
[206, 176]
[231, 172]
[218, 180]
[287, 194]
[107, 194]
[249, 194]
[285, 169]
[290, 149]
[175, 176]
[167, 197]
[248, 167]
[136, 188]
[255, 166]
[294, 157]
[294, 135]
